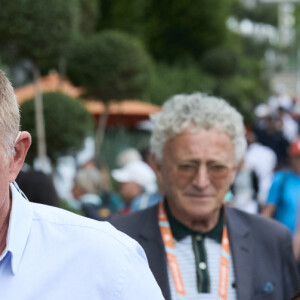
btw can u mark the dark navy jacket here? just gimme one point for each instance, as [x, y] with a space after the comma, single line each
[261, 248]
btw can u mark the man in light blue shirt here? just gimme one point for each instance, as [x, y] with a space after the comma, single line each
[50, 254]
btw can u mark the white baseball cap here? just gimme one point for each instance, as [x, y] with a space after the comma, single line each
[128, 155]
[138, 172]
[262, 111]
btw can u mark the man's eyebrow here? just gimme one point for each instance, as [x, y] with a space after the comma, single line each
[195, 161]
[198, 161]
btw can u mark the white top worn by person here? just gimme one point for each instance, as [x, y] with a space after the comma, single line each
[262, 160]
[280, 98]
[48, 253]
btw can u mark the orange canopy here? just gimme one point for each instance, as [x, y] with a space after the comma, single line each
[127, 112]
[50, 83]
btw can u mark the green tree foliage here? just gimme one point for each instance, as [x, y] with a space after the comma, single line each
[262, 13]
[111, 65]
[174, 79]
[127, 15]
[38, 30]
[225, 72]
[89, 15]
[67, 123]
[180, 29]
[297, 21]
[247, 85]
[297, 15]
[172, 30]
[3, 66]
[243, 93]
[220, 62]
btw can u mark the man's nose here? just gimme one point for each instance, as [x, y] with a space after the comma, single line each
[201, 179]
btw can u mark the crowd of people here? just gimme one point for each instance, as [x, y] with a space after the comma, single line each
[267, 180]
[212, 210]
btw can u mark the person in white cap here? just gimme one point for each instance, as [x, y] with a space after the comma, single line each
[128, 155]
[280, 98]
[135, 178]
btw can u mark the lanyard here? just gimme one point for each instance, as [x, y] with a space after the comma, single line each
[168, 241]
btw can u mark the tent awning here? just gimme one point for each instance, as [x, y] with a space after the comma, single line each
[126, 112]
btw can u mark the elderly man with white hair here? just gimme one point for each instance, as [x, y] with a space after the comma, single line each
[48, 253]
[196, 246]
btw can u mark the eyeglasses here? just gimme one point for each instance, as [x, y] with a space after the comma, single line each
[189, 170]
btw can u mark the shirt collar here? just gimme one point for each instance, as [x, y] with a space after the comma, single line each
[19, 227]
[91, 199]
[180, 231]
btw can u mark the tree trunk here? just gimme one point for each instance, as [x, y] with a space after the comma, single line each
[100, 132]
[40, 123]
[62, 66]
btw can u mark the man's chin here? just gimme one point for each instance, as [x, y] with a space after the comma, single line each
[202, 211]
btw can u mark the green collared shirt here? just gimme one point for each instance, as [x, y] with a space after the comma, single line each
[180, 231]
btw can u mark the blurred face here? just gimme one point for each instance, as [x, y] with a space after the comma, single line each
[295, 159]
[196, 173]
[77, 192]
[130, 190]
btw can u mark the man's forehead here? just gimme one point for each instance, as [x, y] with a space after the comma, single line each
[212, 143]
[208, 137]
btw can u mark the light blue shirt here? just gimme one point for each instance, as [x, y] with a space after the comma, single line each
[52, 254]
[285, 195]
[145, 200]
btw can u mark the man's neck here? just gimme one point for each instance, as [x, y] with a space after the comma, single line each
[4, 222]
[202, 224]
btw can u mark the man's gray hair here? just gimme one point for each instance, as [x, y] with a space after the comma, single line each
[9, 115]
[191, 113]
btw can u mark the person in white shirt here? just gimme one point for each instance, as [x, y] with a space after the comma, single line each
[280, 98]
[48, 253]
[262, 160]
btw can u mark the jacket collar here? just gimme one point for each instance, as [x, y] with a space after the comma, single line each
[240, 243]
[151, 240]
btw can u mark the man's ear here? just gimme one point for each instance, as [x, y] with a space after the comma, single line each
[156, 166]
[18, 155]
[235, 170]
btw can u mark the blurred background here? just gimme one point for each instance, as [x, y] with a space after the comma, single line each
[87, 73]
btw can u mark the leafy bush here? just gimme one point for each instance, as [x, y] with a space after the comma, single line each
[110, 65]
[243, 93]
[220, 62]
[90, 12]
[176, 29]
[243, 90]
[38, 30]
[67, 123]
[169, 80]
[263, 13]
